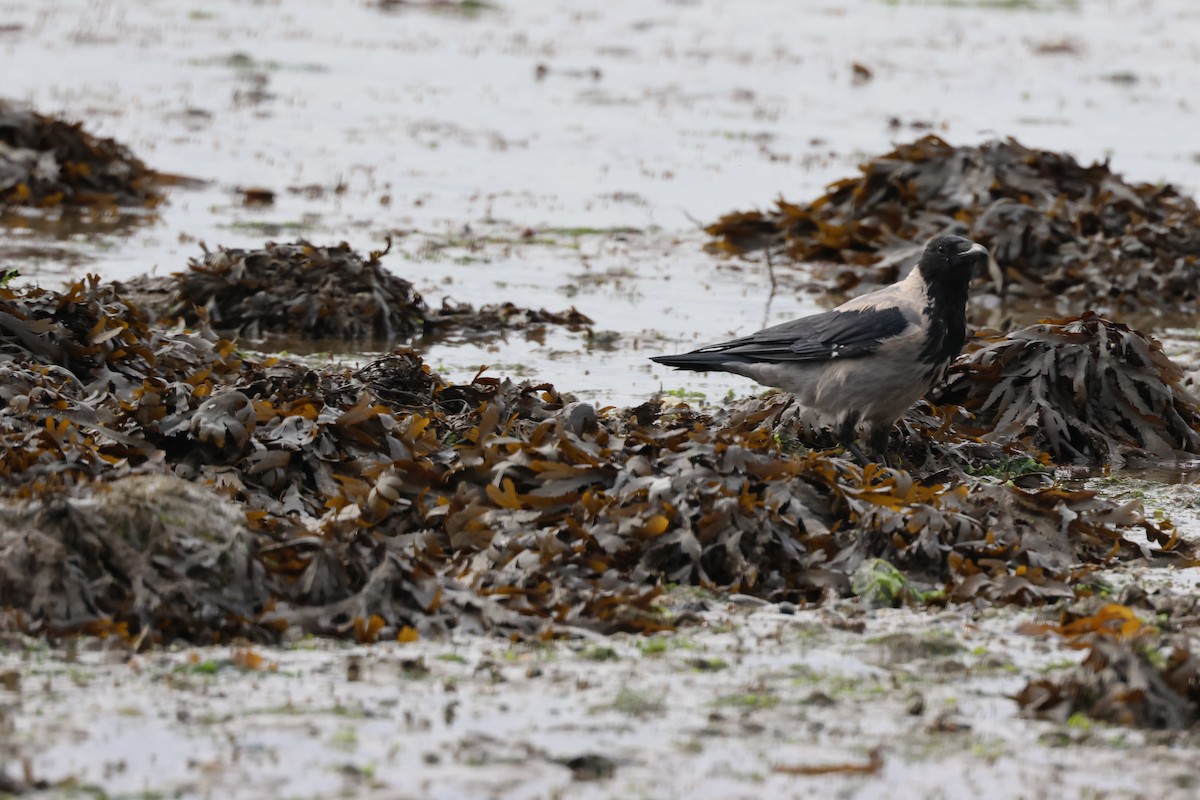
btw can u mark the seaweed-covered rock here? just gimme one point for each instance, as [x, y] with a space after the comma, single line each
[48, 162]
[1055, 227]
[316, 292]
[1085, 389]
[146, 553]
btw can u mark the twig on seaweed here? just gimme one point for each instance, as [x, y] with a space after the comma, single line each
[774, 286]
[701, 225]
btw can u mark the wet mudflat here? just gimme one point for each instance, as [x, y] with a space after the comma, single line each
[751, 703]
[493, 146]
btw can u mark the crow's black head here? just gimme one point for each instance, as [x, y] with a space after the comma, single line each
[951, 259]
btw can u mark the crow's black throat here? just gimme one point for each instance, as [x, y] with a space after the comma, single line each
[946, 311]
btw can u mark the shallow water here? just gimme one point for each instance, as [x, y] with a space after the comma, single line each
[435, 127]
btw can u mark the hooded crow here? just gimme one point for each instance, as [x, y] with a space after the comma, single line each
[868, 360]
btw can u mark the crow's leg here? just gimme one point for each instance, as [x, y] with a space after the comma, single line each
[877, 442]
[846, 435]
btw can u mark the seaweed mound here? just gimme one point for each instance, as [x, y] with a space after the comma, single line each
[368, 502]
[1055, 227]
[1081, 389]
[144, 553]
[46, 162]
[302, 289]
[320, 292]
[1129, 677]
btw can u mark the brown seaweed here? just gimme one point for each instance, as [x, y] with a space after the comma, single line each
[1055, 228]
[1129, 677]
[1081, 389]
[382, 502]
[47, 162]
[316, 292]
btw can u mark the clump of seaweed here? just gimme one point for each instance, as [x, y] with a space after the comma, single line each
[323, 292]
[301, 289]
[1081, 389]
[174, 556]
[1055, 228]
[1127, 678]
[47, 163]
[468, 321]
[381, 501]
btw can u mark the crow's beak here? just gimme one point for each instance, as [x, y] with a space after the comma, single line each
[977, 255]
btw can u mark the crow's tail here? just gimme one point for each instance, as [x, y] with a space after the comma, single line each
[697, 362]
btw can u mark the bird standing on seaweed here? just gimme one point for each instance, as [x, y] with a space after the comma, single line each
[868, 360]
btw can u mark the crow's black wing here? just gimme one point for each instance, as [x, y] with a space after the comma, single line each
[834, 334]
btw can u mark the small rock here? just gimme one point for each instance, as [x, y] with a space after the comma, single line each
[579, 418]
[590, 767]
